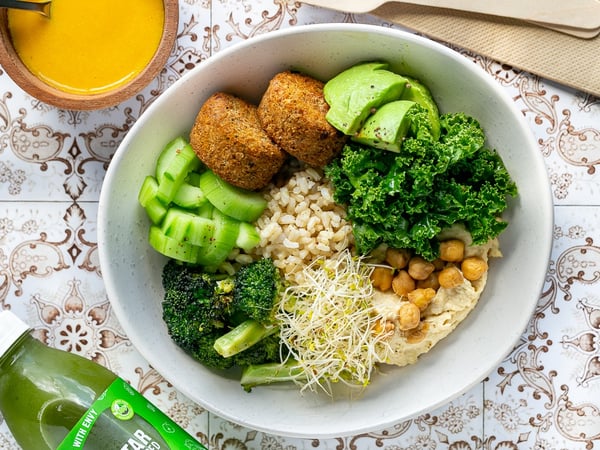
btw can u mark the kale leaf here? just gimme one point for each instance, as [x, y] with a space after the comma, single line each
[405, 199]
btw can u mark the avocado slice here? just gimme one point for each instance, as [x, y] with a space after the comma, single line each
[418, 92]
[387, 127]
[354, 93]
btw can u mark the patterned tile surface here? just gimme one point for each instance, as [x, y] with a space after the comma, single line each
[544, 396]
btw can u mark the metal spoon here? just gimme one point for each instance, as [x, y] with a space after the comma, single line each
[40, 7]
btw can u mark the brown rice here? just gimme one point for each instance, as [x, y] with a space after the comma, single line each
[301, 223]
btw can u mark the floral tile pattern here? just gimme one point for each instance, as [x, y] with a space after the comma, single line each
[544, 396]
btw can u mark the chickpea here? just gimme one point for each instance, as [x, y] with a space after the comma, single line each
[402, 283]
[383, 326]
[421, 297]
[450, 277]
[419, 269]
[397, 258]
[409, 316]
[418, 334]
[430, 282]
[473, 268]
[452, 250]
[439, 264]
[381, 278]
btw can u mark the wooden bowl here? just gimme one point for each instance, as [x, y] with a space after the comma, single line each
[20, 74]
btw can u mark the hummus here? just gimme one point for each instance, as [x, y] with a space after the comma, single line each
[448, 308]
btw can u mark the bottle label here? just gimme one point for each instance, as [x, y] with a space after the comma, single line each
[123, 419]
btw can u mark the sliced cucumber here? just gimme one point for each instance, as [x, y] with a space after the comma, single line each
[167, 155]
[248, 237]
[223, 242]
[189, 196]
[174, 164]
[185, 226]
[147, 197]
[206, 210]
[184, 161]
[193, 178]
[241, 204]
[201, 231]
[172, 248]
[197, 217]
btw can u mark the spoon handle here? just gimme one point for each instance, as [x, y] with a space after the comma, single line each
[41, 7]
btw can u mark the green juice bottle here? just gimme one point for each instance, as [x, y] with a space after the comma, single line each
[55, 400]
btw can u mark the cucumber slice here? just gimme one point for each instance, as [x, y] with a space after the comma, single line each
[172, 248]
[248, 237]
[240, 204]
[193, 178]
[206, 210]
[147, 197]
[185, 226]
[167, 155]
[189, 196]
[223, 242]
[201, 231]
[174, 164]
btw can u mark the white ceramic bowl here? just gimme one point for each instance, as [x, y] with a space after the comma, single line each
[131, 269]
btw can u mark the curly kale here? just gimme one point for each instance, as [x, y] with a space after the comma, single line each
[223, 320]
[405, 199]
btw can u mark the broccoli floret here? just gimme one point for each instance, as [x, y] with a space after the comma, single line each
[194, 304]
[242, 337]
[204, 351]
[204, 309]
[256, 288]
[266, 350]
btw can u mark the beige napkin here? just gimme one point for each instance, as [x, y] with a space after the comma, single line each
[550, 54]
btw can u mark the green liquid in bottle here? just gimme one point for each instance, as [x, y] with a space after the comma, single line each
[51, 399]
[107, 432]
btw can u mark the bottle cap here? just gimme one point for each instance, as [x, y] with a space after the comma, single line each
[11, 329]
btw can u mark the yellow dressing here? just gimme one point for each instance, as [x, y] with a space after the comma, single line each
[88, 46]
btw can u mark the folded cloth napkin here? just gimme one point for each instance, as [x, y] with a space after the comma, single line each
[560, 57]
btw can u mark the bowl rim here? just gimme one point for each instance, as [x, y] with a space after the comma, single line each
[20, 74]
[520, 323]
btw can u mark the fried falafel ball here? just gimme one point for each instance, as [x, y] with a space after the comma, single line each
[228, 138]
[292, 112]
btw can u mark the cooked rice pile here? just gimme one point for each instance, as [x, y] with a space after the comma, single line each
[301, 223]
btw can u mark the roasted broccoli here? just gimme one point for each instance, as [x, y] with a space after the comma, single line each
[223, 320]
[256, 285]
[204, 351]
[243, 336]
[194, 304]
[266, 350]
[275, 372]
